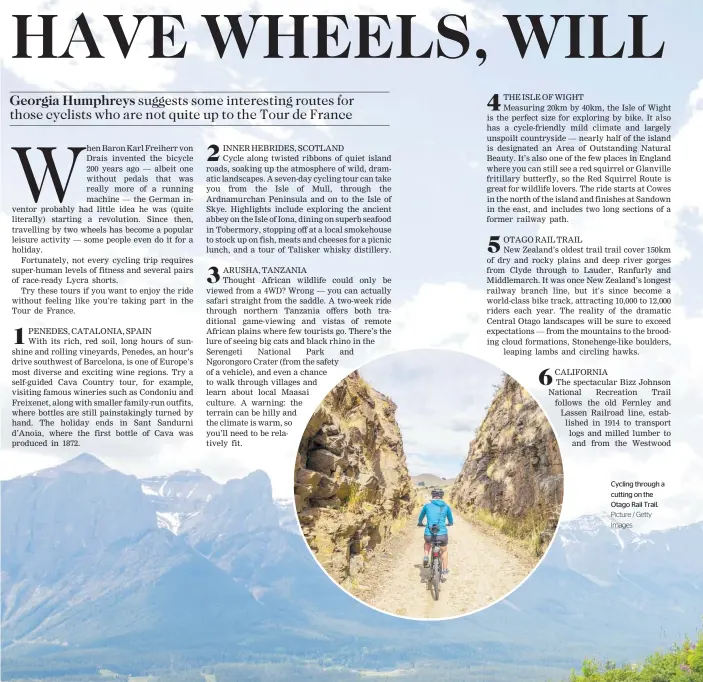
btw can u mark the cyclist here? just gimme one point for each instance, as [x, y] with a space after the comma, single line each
[438, 513]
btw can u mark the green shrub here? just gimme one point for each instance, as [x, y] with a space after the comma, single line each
[682, 663]
[356, 498]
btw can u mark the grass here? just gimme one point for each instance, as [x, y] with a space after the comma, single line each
[399, 522]
[527, 530]
[354, 502]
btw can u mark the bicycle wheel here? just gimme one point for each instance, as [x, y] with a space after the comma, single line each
[436, 577]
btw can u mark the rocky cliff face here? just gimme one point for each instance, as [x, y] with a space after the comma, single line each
[352, 485]
[513, 475]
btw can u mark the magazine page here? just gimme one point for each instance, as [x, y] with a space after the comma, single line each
[351, 343]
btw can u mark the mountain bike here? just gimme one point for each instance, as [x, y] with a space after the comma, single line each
[436, 566]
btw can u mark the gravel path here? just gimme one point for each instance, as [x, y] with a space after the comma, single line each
[484, 567]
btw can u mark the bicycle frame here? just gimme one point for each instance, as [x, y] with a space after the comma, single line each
[435, 563]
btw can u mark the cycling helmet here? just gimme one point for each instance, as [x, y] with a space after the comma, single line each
[438, 492]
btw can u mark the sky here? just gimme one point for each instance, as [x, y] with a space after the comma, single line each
[437, 112]
[442, 398]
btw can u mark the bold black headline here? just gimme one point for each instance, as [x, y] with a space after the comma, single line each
[326, 36]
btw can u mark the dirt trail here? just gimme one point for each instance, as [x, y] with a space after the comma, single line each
[483, 568]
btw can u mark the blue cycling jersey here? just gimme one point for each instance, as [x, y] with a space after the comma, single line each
[438, 513]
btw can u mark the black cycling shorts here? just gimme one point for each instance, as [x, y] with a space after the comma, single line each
[442, 540]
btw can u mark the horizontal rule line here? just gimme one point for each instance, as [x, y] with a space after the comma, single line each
[200, 92]
[198, 125]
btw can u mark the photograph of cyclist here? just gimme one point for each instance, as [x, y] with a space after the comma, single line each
[433, 439]
[439, 515]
